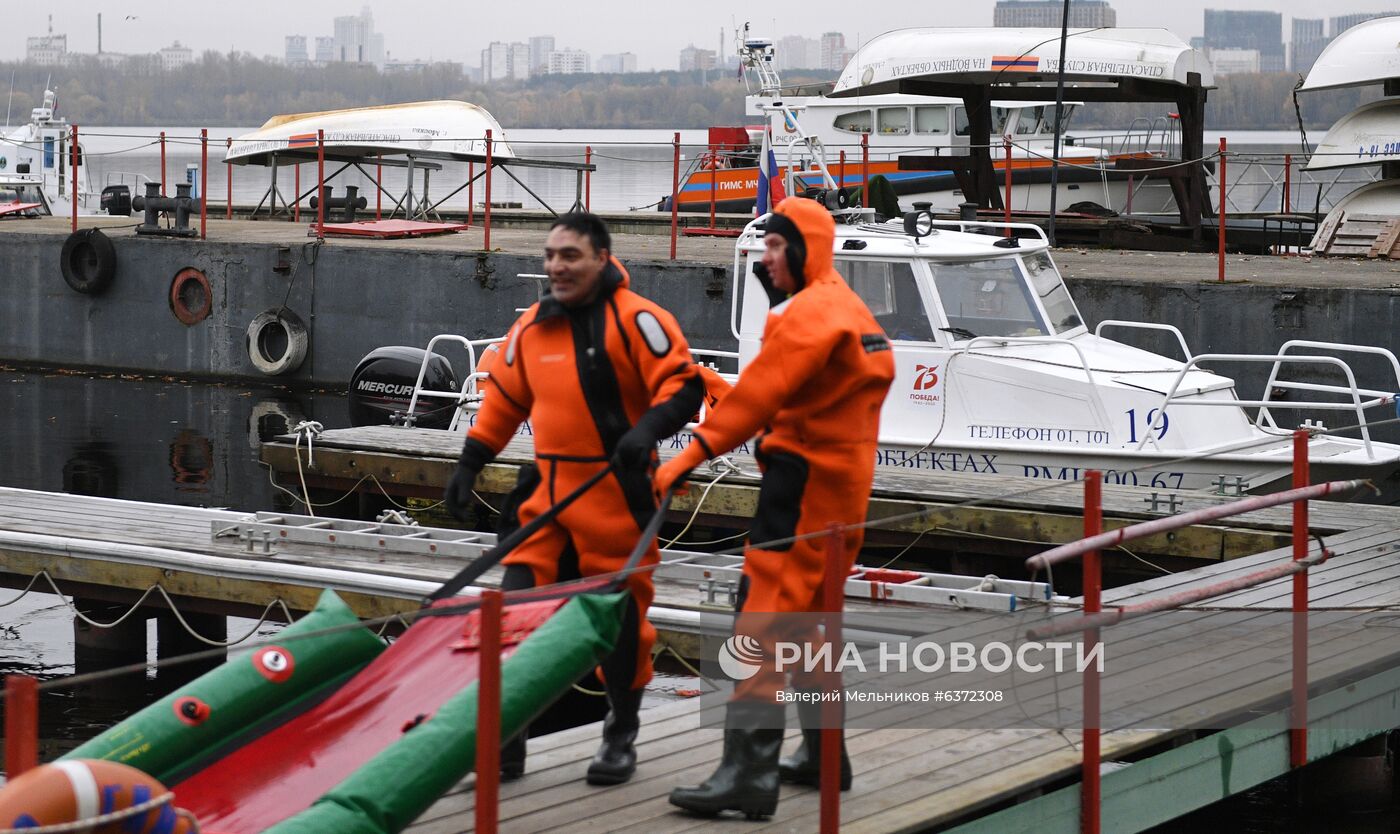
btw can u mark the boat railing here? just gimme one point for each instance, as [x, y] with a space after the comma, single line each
[978, 225]
[1264, 420]
[1144, 325]
[468, 388]
[1283, 183]
[1100, 411]
[1158, 135]
[126, 178]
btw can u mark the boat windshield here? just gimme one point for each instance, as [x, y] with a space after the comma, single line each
[1054, 296]
[987, 298]
[888, 288]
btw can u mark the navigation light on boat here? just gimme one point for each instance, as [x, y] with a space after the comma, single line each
[918, 224]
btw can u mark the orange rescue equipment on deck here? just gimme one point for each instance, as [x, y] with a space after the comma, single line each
[87, 789]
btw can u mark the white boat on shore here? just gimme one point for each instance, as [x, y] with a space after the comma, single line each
[1365, 54]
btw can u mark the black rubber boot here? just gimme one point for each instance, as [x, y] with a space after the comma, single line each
[513, 757]
[747, 777]
[803, 767]
[616, 759]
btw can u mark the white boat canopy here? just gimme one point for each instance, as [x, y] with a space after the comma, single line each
[1367, 53]
[452, 130]
[1368, 135]
[997, 56]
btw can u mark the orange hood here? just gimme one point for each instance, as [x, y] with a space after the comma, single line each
[818, 231]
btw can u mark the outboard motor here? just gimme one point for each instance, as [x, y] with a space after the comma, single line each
[116, 200]
[382, 386]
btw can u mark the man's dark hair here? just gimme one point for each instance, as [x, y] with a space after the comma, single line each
[587, 224]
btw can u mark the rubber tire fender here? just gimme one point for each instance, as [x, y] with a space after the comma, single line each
[88, 261]
[297, 341]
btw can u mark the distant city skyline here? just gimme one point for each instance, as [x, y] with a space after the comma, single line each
[449, 31]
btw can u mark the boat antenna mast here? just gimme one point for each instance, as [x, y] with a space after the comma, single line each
[756, 60]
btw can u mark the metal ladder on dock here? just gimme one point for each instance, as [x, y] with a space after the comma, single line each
[716, 575]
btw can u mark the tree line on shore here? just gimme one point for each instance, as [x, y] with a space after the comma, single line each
[240, 90]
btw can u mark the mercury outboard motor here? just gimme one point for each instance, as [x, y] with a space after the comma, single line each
[382, 386]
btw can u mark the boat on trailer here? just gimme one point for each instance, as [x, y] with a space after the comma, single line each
[998, 373]
[36, 177]
[1363, 55]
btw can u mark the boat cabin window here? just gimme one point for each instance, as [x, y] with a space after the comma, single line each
[894, 121]
[856, 121]
[986, 298]
[931, 119]
[889, 290]
[963, 127]
[1054, 297]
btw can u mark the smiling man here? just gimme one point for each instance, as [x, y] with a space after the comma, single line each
[602, 374]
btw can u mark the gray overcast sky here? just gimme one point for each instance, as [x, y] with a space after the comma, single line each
[457, 30]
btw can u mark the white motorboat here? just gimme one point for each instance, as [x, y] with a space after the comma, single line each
[36, 175]
[1367, 53]
[997, 373]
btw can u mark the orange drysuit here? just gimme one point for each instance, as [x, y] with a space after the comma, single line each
[584, 376]
[812, 395]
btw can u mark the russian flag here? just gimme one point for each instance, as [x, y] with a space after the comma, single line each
[770, 185]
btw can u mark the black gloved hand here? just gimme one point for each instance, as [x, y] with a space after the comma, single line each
[458, 498]
[633, 450]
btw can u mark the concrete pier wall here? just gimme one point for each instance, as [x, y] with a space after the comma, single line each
[356, 298]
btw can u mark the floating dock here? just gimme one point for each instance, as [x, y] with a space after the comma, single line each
[974, 780]
[939, 506]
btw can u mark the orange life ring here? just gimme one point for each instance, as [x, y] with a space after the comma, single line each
[191, 298]
[83, 789]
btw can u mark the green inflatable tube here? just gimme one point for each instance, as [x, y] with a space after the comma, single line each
[193, 725]
[395, 787]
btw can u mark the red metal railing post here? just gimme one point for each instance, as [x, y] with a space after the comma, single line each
[587, 179]
[488, 714]
[162, 163]
[675, 188]
[296, 196]
[1298, 727]
[21, 724]
[320, 184]
[1006, 201]
[1090, 793]
[228, 186]
[73, 154]
[864, 169]
[1128, 209]
[203, 181]
[841, 171]
[379, 186]
[487, 221]
[833, 599]
[471, 190]
[1220, 258]
[714, 186]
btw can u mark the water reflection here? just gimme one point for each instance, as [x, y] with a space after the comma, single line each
[158, 440]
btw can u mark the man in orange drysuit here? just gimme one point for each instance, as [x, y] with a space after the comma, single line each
[602, 374]
[812, 395]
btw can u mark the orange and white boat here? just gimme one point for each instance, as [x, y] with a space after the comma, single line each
[873, 132]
